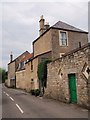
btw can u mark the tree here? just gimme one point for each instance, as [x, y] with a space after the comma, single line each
[3, 75]
[42, 74]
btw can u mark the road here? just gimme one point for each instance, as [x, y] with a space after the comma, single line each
[19, 104]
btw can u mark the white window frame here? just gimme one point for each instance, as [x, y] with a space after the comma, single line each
[60, 42]
[61, 54]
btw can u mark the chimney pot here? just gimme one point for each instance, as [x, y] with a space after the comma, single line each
[41, 22]
[41, 16]
[47, 25]
[11, 57]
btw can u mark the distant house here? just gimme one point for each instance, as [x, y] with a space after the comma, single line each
[14, 66]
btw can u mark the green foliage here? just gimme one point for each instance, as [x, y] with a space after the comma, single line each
[3, 75]
[32, 92]
[42, 71]
[35, 92]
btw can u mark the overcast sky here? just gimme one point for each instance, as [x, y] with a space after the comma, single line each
[20, 22]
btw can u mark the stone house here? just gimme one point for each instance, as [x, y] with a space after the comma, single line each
[14, 66]
[53, 42]
[58, 39]
[68, 77]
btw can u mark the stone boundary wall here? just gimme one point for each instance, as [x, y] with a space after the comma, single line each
[75, 62]
[20, 79]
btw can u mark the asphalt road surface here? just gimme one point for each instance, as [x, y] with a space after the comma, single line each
[19, 104]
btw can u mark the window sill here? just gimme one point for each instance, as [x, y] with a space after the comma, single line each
[63, 45]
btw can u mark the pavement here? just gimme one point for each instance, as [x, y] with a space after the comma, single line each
[19, 104]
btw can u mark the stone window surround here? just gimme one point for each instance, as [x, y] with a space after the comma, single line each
[60, 37]
[61, 54]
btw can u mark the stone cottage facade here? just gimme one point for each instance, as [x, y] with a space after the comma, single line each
[55, 41]
[68, 77]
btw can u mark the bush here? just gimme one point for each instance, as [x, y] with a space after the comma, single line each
[3, 75]
[32, 92]
[35, 92]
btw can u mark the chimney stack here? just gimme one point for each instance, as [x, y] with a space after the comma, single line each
[43, 26]
[41, 22]
[11, 57]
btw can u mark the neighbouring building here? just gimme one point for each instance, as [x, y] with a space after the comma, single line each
[68, 77]
[22, 79]
[14, 66]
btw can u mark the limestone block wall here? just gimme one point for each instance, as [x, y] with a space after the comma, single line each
[25, 79]
[29, 77]
[73, 39]
[45, 56]
[35, 77]
[43, 44]
[57, 78]
[21, 79]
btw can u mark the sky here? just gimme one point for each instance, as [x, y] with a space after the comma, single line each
[20, 22]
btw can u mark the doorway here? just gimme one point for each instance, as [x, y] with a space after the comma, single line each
[72, 88]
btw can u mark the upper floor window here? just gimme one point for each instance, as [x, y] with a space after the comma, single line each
[21, 65]
[63, 38]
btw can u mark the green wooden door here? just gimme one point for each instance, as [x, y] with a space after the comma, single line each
[72, 87]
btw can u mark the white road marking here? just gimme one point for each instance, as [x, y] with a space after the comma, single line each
[11, 98]
[19, 108]
[16, 104]
[7, 94]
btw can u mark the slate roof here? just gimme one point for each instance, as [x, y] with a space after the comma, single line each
[19, 56]
[65, 26]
